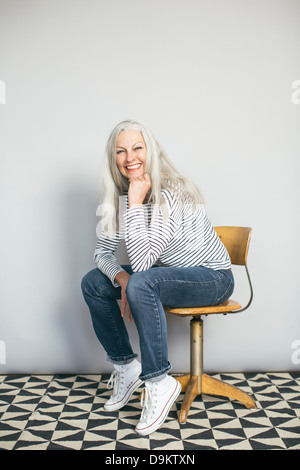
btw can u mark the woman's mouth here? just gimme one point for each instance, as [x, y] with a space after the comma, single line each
[133, 167]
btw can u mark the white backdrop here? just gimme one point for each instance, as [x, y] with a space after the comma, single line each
[218, 83]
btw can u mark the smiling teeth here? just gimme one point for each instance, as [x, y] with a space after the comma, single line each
[133, 166]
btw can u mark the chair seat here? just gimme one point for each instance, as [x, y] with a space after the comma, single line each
[226, 307]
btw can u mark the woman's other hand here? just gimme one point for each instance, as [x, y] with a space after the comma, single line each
[122, 278]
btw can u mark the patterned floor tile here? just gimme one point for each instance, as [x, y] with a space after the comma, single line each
[65, 412]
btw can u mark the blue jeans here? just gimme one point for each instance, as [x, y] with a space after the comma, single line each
[147, 292]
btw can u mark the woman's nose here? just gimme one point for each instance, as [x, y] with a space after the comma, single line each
[130, 156]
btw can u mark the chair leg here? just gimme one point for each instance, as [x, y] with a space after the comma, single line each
[197, 382]
[191, 392]
[184, 381]
[212, 386]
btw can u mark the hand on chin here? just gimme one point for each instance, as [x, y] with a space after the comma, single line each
[138, 188]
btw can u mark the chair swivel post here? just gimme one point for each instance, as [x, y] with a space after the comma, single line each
[196, 350]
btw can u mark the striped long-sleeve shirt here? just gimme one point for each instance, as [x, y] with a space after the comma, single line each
[185, 237]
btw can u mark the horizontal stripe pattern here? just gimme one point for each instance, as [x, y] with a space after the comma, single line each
[183, 238]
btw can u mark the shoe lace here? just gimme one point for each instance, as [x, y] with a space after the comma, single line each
[148, 402]
[114, 381]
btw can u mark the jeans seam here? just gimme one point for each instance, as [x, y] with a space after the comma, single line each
[158, 327]
[225, 296]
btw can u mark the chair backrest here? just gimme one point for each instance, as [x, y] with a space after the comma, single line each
[236, 241]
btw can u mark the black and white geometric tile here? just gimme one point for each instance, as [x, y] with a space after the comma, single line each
[65, 412]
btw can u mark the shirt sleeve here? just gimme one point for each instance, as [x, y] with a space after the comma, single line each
[104, 256]
[145, 243]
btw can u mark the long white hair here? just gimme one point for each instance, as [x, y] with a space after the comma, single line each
[161, 170]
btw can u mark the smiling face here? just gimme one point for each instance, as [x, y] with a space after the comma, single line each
[131, 153]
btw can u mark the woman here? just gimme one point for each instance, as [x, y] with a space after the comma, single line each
[176, 260]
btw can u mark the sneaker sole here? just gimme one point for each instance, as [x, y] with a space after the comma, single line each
[159, 421]
[119, 404]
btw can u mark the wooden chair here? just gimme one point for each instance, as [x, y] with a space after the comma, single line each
[236, 240]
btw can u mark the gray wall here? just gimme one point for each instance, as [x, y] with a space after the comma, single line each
[218, 83]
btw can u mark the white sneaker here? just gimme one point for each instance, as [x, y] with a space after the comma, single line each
[157, 399]
[124, 380]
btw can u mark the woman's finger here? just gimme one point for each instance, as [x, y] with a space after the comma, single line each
[123, 304]
[129, 316]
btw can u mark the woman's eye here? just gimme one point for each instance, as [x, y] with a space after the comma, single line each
[138, 148]
[119, 151]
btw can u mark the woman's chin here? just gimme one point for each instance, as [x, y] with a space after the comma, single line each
[134, 173]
